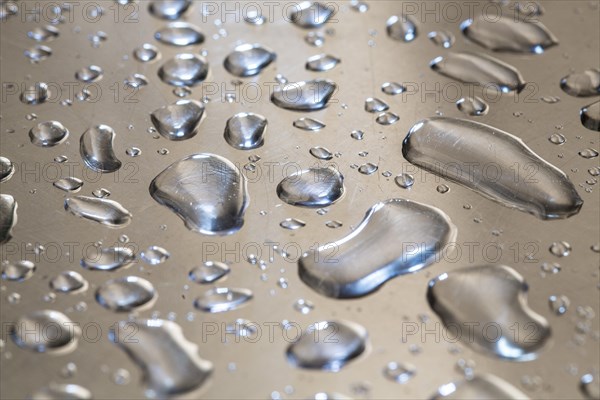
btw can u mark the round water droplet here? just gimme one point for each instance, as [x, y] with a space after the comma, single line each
[169, 9]
[155, 255]
[209, 272]
[557, 138]
[69, 282]
[17, 271]
[401, 28]
[374, 105]
[184, 70]
[314, 39]
[560, 249]
[583, 84]
[245, 131]
[125, 294]
[314, 187]
[248, 60]
[146, 53]
[368, 168]
[399, 372]
[7, 169]
[333, 224]
[404, 180]
[48, 134]
[90, 73]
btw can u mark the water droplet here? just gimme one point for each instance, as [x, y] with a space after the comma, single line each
[321, 153]
[68, 282]
[366, 258]
[483, 387]
[209, 272]
[490, 294]
[559, 304]
[103, 211]
[313, 351]
[96, 148]
[56, 391]
[208, 192]
[550, 99]
[136, 81]
[588, 153]
[304, 306]
[101, 193]
[404, 180]
[38, 53]
[387, 118]
[146, 53]
[44, 331]
[368, 169]
[133, 151]
[401, 28]
[8, 217]
[248, 60]
[321, 62]
[155, 255]
[399, 372]
[479, 69]
[43, 33]
[7, 169]
[308, 124]
[292, 224]
[179, 34]
[473, 106]
[305, 95]
[92, 73]
[470, 147]
[48, 134]
[443, 189]
[313, 187]
[17, 271]
[180, 120]
[182, 91]
[125, 294]
[560, 249]
[357, 135]
[309, 14]
[590, 116]
[314, 39]
[333, 224]
[222, 299]
[254, 17]
[582, 84]
[245, 131]
[169, 9]
[374, 105]
[557, 138]
[392, 88]
[442, 38]
[35, 94]
[69, 184]
[184, 70]
[590, 386]
[108, 259]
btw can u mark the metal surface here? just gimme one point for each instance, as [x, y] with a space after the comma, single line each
[368, 59]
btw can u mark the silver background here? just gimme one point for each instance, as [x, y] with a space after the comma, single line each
[262, 367]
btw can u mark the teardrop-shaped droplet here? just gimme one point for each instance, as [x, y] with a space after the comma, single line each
[368, 169]
[207, 191]
[392, 88]
[179, 34]
[209, 272]
[146, 53]
[45, 331]
[481, 387]
[68, 282]
[56, 391]
[305, 95]
[96, 148]
[314, 351]
[180, 120]
[245, 131]
[89, 74]
[292, 224]
[48, 134]
[367, 258]
[321, 153]
[309, 14]
[43, 33]
[401, 28]
[374, 105]
[155, 255]
[69, 184]
[184, 70]
[308, 124]
[7, 169]
[125, 294]
[387, 118]
[321, 62]
[462, 151]
[404, 180]
[590, 116]
[313, 187]
[35, 94]
[8, 217]
[248, 60]
[38, 53]
[104, 211]
[444, 39]
[509, 34]
[170, 364]
[473, 106]
[169, 9]
[136, 81]
[108, 259]
[479, 69]
[17, 271]
[490, 294]
[582, 84]
[222, 299]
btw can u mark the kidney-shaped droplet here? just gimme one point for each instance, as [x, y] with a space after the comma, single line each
[180, 120]
[96, 148]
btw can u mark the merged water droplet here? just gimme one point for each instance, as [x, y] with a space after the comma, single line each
[209, 272]
[473, 106]
[248, 60]
[313, 187]
[108, 259]
[35, 94]
[222, 299]
[8, 217]
[321, 153]
[184, 70]
[155, 255]
[399, 372]
[48, 134]
[582, 84]
[69, 282]
[146, 53]
[38, 53]
[56, 391]
[401, 28]
[482, 387]
[96, 149]
[207, 191]
[92, 73]
[169, 362]
[463, 151]
[308, 124]
[69, 184]
[104, 211]
[45, 331]
[308, 14]
[245, 131]
[560, 249]
[367, 258]
[387, 118]
[442, 38]
[7, 169]
[374, 105]
[314, 351]
[169, 9]
[321, 62]
[180, 120]
[305, 95]
[590, 116]
[179, 34]
[292, 224]
[490, 295]
[17, 271]
[43, 33]
[304, 306]
[125, 294]
[479, 69]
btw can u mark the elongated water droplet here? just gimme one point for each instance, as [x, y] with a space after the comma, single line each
[208, 192]
[367, 258]
[590, 116]
[582, 84]
[313, 187]
[56, 391]
[401, 28]
[368, 169]
[48, 134]
[68, 282]
[179, 34]
[392, 88]
[387, 118]
[399, 372]
[404, 180]
[490, 294]
[374, 105]
[305, 95]
[588, 153]
[222, 299]
[38, 53]
[461, 151]
[155, 255]
[69, 184]
[45, 331]
[170, 363]
[180, 120]
[43, 33]
[321, 153]
[245, 131]
[313, 351]
[321, 62]
[169, 9]
[184, 70]
[442, 38]
[17, 271]
[292, 224]
[35, 94]
[248, 60]
[309, 14]
[108, 259]
[479, 69]
[509, 34]
[481, 387]
[308, 124]
[7, 169]
[125, 294]
[209, 272]
[473, 106]
[96, 148]
[146, 53]
[104, 211]
[8, 217]
[92, 73]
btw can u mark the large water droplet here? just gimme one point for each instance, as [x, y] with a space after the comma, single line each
[245, 131]
[208, 192]
[321, 62]
[169, 362]
[68, 282]
[313, 187]
[69, 184]
[367, 257]
[222, 299]
[169, 9]
[17, 271]
[88, 74]
[248, 60]
[305, 95]
[179, 34]
[473, 106]
[125, 294]
[57, 391]
[104, 211]
[35, 94]
[7, 169]
[582, 84]
[8, 217]
[313, 350]
[180, 120]
[309, 14]
[480, 387]
[401, 28]
[48, 134]
[184, 70]
[479, 69]
[146, 53]
[96, 149]
[44, 331]
[590, 116]
[466, 152]
[490, 294]
[108, 259]
[209, 272]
